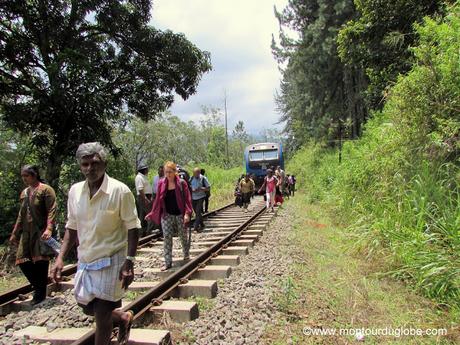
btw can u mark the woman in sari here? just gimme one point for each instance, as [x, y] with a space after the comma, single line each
[34, 225]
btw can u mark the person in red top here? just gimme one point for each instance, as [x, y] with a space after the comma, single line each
[270, 182]
[172, 209]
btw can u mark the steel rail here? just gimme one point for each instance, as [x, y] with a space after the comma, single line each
[143, 303]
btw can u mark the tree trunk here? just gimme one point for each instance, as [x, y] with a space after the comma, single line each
[53, 167]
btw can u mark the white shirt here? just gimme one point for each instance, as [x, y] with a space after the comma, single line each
[102, 222]
[156, 180]
[142, 183]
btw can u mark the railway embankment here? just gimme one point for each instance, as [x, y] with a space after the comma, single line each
[330, 287]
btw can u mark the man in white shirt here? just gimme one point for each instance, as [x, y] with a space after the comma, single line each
[144, 197]
[101, 214]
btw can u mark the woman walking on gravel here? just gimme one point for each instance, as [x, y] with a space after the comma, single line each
[270, 182]
[172, 208]
[34, 225]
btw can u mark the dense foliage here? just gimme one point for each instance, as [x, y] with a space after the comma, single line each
[379, 40]
[151, 143]
[187, 143]
[320, 96]
[69, 70]
[339, 67]
[399, 186]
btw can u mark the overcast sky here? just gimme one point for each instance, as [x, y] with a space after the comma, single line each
[237, 33]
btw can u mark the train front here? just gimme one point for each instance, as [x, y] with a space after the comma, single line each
[262, 156]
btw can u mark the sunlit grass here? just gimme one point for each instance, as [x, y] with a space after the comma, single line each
[223, 183]
[331, 286]
[412, 221]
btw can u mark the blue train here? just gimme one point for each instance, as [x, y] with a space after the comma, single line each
[259, 157]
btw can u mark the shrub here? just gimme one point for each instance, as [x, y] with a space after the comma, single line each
[398, 187]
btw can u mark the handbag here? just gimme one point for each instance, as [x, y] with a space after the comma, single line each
[45, 250]
[238, 199]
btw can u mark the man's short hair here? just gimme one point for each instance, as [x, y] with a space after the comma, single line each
[91, 149]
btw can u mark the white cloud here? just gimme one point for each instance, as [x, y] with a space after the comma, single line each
[238, 35]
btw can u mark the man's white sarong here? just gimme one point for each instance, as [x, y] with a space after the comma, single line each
[100, 279]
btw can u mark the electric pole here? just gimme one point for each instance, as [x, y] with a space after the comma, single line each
[226, 128]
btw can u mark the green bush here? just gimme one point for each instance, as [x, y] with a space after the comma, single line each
[398, 187]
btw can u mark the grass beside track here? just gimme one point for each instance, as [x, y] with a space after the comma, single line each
[332, 286]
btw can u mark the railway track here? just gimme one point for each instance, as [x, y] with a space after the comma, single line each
[228, 235]
[8, 297]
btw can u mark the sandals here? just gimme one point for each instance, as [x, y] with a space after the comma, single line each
[164, 268]
[124, 330]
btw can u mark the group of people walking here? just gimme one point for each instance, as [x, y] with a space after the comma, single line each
[198, 185]
[103, 218]
[275, 186]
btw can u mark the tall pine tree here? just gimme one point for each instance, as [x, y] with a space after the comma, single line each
[319, 97]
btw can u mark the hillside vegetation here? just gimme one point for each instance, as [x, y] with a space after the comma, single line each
[398, 186]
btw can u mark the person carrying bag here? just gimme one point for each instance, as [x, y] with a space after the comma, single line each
[33, 228]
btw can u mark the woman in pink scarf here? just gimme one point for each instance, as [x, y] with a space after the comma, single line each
[172, 208]
[270, 182]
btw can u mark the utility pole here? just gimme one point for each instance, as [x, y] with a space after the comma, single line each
[226, 128]
[340, 141]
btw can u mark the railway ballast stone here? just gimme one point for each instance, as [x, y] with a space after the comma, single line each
[59, 311]
[245, 305]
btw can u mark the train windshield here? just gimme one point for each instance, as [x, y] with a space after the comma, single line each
[271, 155]
[263, 155]
[256, 156]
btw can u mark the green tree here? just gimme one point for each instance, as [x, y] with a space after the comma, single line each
[154, 142]
[238, 142]
[399, 186]
[318, 90]
[379, 38]
[69, 68]
[15, 151]
[212, 118]
[216, 147]
[239, 133]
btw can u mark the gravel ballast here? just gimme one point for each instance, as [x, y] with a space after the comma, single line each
[246, 302]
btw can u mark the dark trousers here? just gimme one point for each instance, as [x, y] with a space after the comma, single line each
[206, 204]
[198, 208]
[142, 211]
[37, 275]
